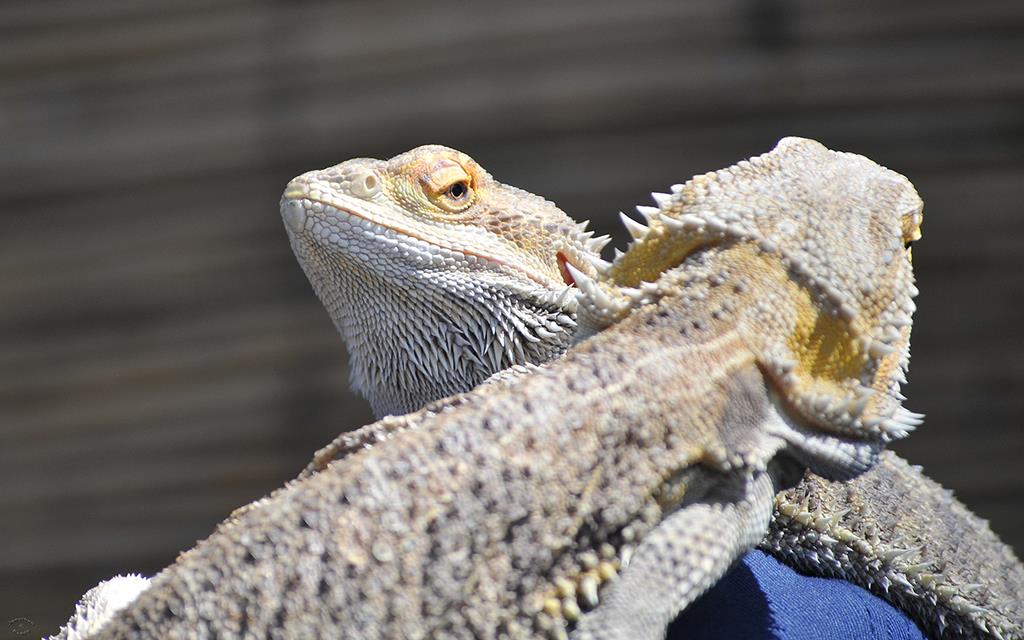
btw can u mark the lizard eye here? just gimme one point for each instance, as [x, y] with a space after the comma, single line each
[458, 191]
[449, 186]
[456, 197]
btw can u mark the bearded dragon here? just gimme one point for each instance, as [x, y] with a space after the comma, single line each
[756, 328]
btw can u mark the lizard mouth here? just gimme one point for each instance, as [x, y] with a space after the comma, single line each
[562, 260]
[299, 199]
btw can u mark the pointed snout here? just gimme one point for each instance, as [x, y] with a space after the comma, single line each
[293, 211]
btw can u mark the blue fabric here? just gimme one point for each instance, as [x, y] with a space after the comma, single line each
[763, 599]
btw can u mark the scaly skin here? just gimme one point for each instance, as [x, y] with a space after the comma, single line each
[902, 536]
[759, 351]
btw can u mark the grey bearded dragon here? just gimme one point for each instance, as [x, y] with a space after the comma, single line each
[732, 367]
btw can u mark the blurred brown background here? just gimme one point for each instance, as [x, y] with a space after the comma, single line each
[162, 358]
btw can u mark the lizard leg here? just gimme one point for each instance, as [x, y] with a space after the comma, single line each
[680, 559]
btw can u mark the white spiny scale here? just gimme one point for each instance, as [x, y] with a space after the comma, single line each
[650, 287]
[664, 200]
[716, 225]
[429, 364]
[567, 299]
[976, 610]
[649, 213]
[673, 223]
[481, 339]
[585, 283]
[637, 296]
[917, 567]
[878, 349]
[597, 243]
[909, 418]
[890, 426]
[618, 254]
[600, 300]
[528, 319]
[901, 320]
[495, 356]
[891, 555]
[602, 266]
[544, 333]
[858, 403]
[596, 297]
[912, 415]
[691, 222]
[837, 517]
[676, 188]
[884, 583]
[635, 229]
[891, 334]
[523, 330]
[870, 423]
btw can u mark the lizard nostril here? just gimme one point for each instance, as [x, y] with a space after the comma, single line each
[365, 185]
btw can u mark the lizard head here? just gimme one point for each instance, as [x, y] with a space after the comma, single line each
[814, 248]
[436, 274]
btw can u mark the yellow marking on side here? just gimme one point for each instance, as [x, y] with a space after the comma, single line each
[822, 344]
[645, 261]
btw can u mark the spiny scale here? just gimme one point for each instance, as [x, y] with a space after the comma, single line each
[636, 230]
